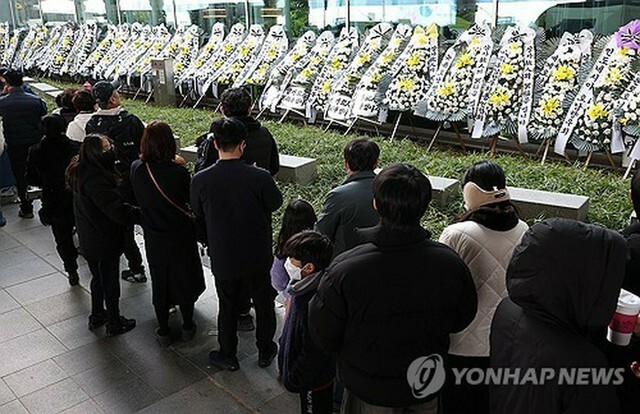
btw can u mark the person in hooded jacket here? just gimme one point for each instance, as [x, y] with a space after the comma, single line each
[102, 215]
[386, 308]
[46, 166]
[563, 281]
[304, 368]
[484, 237]
[125, 131]
[624, 356]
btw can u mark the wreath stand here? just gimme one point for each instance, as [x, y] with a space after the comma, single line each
[353, 123]
[493, 145]
[455, 129]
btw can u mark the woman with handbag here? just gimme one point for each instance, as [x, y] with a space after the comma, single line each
[161, 186]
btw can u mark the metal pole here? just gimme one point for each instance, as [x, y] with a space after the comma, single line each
[12, 6]
[247, 15]
[175, 14]
[118, 12]
[40, 10]
[495, 19]
[348, 5]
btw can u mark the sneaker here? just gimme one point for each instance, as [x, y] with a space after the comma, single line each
[133, 277]
[223, 362]
[74, 278]
[163, 340]
[245, 323]
[123, 325]
[188, 334]
[3, 221]
[265, 358]
[96, 320]
[25, 214]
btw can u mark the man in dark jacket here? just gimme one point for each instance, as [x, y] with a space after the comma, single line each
[305, 369]
[261, 149]
[350, 205]
[21, 113]
[125, 130]
[236, 200]
[47, 163]
[563, 281]
[387, 307]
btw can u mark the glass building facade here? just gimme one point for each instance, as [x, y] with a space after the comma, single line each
[602, 16]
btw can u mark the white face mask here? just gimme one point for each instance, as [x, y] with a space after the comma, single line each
[295, 273]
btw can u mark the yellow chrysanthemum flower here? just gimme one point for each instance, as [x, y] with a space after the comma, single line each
[414, 60]
[364, 58]
[295, 56]
[563, 73]
[597, 111]
[388, 57]
[464, 60]
[406, 84]
[306, 73]
[228, 47]
[549, 105]
[506, 68]
[499, 97]
[326, 87]
[376, 77]
[624, 51]
[514, 46]
[336, 64]
[432, 31]
[446, 89]
[613, 76]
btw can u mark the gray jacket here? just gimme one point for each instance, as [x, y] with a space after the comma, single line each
[347, 207]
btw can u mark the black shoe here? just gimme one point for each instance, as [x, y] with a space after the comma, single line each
[245, 323]
[123, 325]
[223, 362]
[188, 334]
[97, 320]
[265, 358]
[74, 279]
[25, 214]
[134, 277]
[163, 340]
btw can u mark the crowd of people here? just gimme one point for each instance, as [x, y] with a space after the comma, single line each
[378, 314]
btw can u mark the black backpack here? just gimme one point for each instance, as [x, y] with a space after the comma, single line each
[206, 155]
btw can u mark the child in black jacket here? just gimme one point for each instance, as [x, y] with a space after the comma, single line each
[304, 368]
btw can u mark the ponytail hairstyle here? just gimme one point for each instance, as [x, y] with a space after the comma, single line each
[91, 154]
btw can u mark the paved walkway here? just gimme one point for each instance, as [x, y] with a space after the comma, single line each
[50, 362]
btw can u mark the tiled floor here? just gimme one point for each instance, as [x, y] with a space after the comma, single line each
[50, 362]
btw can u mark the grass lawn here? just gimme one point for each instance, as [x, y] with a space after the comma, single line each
[609, 202]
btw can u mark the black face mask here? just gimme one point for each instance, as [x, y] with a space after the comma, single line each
[109, 158]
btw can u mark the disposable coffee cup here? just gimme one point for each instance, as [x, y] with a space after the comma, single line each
[625, 318]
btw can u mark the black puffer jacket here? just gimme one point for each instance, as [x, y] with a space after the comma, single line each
[563, 282]
[101, 214]
[386, 303]
[21, 113]
[46, 166]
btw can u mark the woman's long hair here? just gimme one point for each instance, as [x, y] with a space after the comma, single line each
[500, 216]
[91, 154]
[158, 143]
[299, 215]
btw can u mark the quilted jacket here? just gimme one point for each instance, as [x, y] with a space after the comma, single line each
[487, 254]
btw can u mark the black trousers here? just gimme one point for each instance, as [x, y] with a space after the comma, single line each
[319, 401]
[105, 287]
[465, 398]
[18, 159]
[132, 251]
[162, 315]
[63, 235]
[230, 300]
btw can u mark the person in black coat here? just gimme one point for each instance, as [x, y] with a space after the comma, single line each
[101, 217]
[304, 368]
[46, 166]
[161, 186]
[563, 281]
[387, 307]
[235, 201]
[125, 131]
[21, 113]
[260, 148]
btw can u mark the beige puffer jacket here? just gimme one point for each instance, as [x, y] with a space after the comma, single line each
[487, 254]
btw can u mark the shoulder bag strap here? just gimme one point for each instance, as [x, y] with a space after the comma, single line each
[185, 212]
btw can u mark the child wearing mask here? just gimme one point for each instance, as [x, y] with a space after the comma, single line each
[304, 368]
